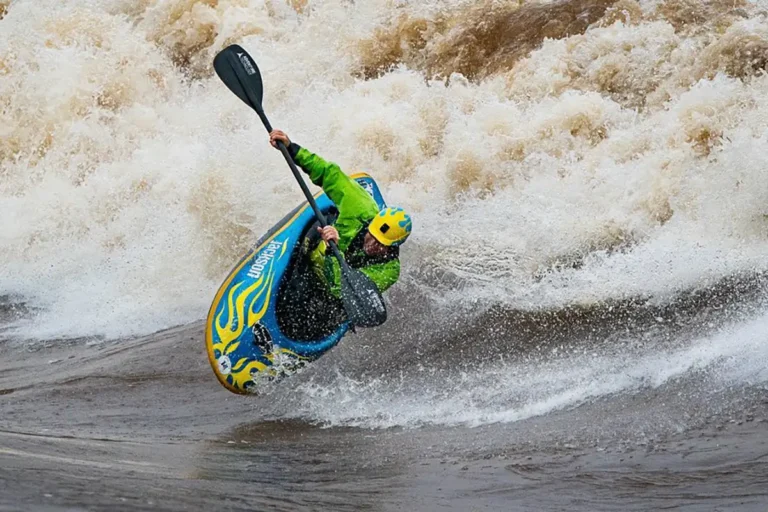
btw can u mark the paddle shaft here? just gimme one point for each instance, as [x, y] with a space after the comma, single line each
[256, 105]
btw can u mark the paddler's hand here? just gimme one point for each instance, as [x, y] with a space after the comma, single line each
[329, 233]
[278, 135]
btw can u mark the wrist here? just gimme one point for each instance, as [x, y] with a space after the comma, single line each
[293, 149]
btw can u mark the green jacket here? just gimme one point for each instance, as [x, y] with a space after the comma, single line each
[356, 210]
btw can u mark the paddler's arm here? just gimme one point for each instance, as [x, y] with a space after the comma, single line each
[384, 275]
[327, 175]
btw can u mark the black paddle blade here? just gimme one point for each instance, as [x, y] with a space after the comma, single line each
[240, 74]
[364, 305]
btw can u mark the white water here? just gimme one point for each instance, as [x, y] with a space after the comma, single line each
[129, 187]
[506, 392]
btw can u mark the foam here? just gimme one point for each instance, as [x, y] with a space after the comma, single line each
[132, 180]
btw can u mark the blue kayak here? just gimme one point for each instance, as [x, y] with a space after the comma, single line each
[246, 346]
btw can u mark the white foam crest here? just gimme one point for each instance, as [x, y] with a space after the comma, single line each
[123, 224]
[128, 190]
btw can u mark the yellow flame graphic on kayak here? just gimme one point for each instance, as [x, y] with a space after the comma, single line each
[242, 372]
[238, 315]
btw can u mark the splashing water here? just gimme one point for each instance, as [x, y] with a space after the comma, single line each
[613, 150]
[507, 391]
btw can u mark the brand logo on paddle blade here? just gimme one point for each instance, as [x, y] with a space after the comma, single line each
[246, 63]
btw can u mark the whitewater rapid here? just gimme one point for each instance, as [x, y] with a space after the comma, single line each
[622, 158]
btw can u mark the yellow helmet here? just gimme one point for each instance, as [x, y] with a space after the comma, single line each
[391, 226]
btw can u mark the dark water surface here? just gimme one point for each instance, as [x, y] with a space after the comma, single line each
[143, 425]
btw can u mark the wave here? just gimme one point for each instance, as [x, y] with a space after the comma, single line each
[609, 151]
[504, 388]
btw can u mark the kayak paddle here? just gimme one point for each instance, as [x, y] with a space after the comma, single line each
[361, 298]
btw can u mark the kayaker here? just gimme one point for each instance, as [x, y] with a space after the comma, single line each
[369, 239]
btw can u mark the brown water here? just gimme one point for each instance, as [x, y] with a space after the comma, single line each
[580, 324]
